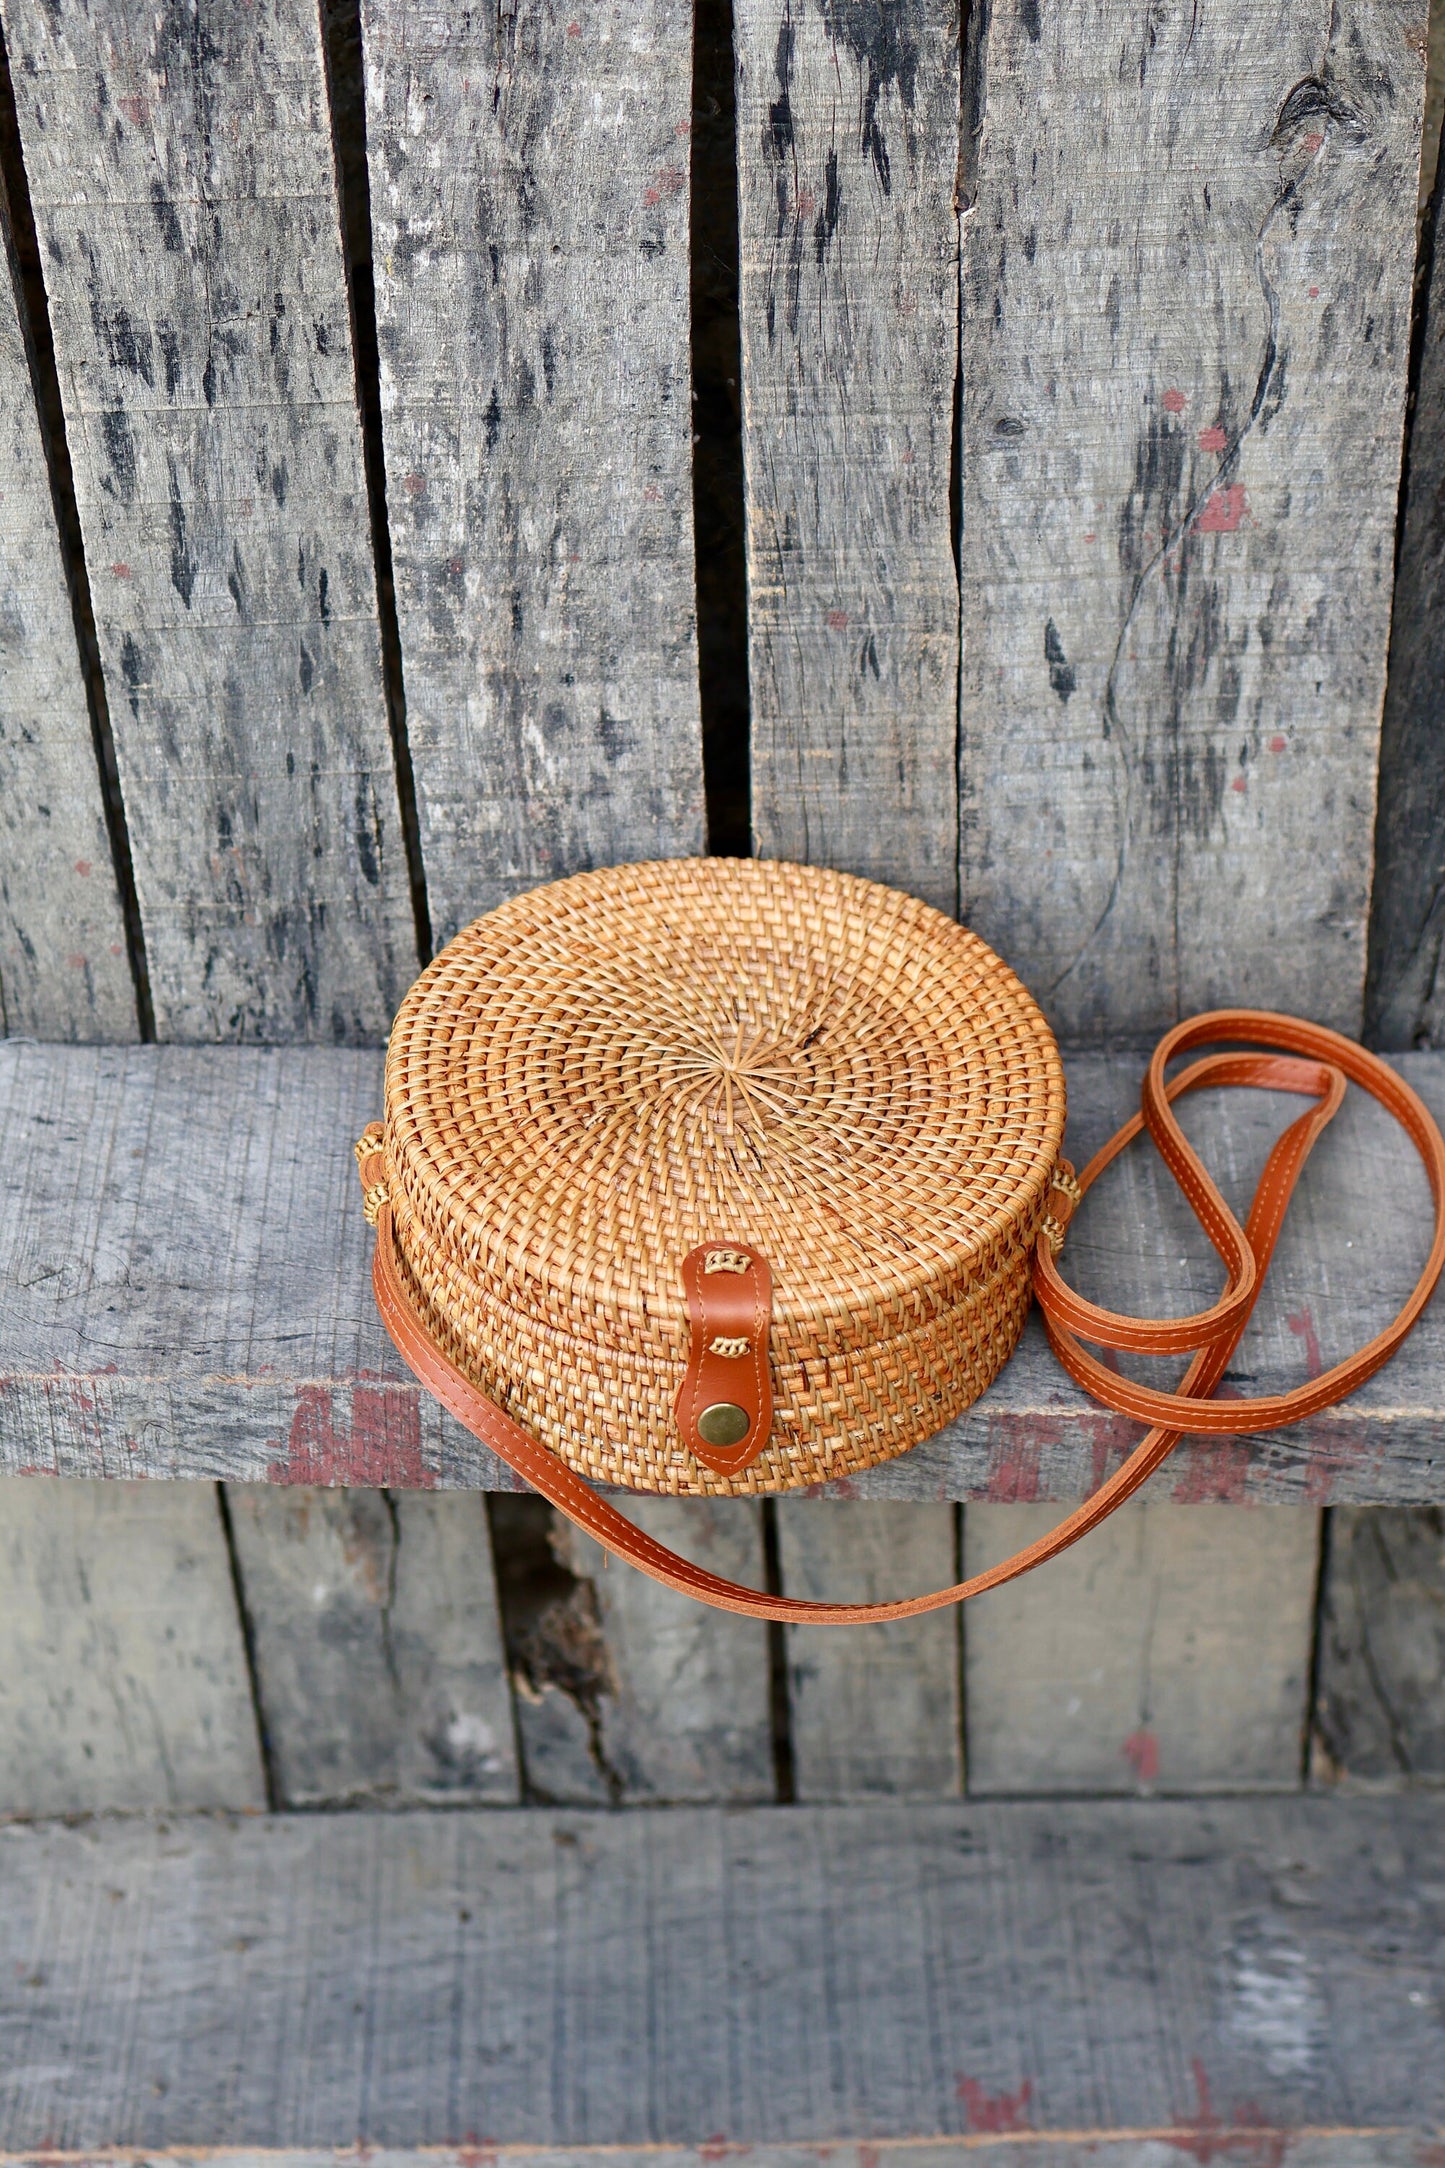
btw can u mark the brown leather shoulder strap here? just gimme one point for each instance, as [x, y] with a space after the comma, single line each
[1307, 1059]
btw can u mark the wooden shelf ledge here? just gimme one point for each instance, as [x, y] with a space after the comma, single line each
[184, 1292]
[1216, 1978]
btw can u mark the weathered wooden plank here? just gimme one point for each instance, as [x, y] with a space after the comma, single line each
[1169, 1653]
[377, 1646]
[63, 967]
[185, 1267]
[627, 1693]
[529, 189]
[1212, 1977]
[875, 1710]
[1380, 1703]
[1340, 2147]
[181, 171]
[1407, 919]
[848, 263]
[122, 1672]
[1186, 307]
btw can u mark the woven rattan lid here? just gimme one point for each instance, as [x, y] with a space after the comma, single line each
[605, 1072]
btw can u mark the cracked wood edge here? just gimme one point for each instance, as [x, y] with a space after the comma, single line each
[64, 973]
[181, 172]
[1188, 243]
[629, 1694]
[529, 190]
[847, 130]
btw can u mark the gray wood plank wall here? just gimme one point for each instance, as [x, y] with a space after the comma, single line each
[529, 190]
[1188, 241]
[181, 171]
[1174, 554]
[847, 144]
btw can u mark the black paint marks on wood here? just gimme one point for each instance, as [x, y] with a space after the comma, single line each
[18, 222]
[341, 22]
[717, 449]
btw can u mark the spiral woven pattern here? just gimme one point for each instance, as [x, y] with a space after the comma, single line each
[602, 1074]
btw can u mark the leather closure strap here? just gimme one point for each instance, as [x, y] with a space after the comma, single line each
[724, 1406]
[1304, 1058]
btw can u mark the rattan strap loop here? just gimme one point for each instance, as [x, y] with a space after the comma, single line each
[1314, 1062]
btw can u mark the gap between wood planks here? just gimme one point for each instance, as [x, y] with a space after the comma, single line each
[17, 226]
[346, 90]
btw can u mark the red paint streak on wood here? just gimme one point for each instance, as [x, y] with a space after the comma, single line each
[837, 621]
[1240, 784]
[1340, 1449]
[995, 2111]
[380, 1448]
[120, 572]
[1114, 1438]
[1216, 1475]
[1277, 744]
[1224, 511]
[1302, 1325]
[1141, 1751]
[82, 867]
[1013, 1476]
[1174, 401]
[1205, 2137]
[1313, 141]
[1212, 439]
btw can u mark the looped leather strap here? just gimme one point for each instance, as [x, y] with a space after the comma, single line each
[1306, 1059]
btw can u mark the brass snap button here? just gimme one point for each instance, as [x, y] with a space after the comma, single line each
[724, 1423]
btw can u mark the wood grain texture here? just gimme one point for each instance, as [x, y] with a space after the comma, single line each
[1380, 1705]
[1187, 268]
[377, 1646]
[1170, 1653]
[1407, 921]
[683, 1712]
[1341, 2147]
[847, 121]
[529, 190]
[64, 973]
[1219, 1976]
[123, 1679]
[180, 166]
[185, 1276]
[875, 1710]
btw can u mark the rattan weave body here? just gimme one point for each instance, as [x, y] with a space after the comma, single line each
[602, 1074]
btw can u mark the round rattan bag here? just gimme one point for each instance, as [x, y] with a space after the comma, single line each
[839, 1104]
